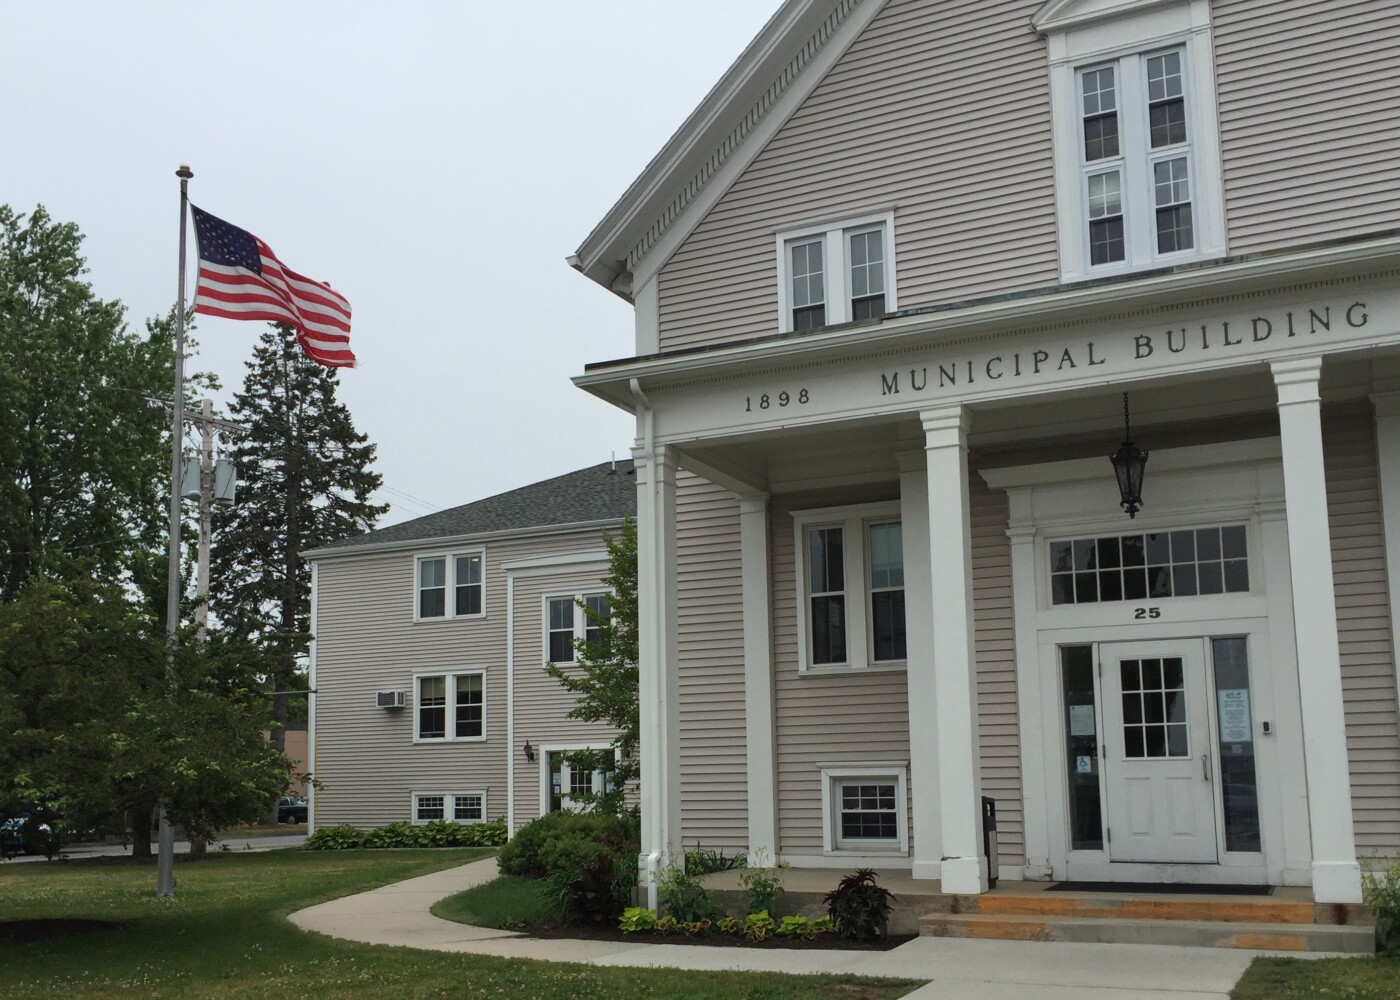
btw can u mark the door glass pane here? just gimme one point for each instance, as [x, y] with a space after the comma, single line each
[1154, 707]
[1082, 748]
[1234, 709]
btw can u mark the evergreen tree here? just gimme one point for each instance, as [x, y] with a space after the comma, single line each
[304, 480]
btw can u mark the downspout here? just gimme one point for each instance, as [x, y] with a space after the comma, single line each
[648, 439]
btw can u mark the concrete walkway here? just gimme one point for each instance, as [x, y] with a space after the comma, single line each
[955, 969]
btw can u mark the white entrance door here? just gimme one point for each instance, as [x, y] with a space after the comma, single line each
[1157, 752]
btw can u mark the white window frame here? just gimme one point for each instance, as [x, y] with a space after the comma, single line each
[855, 522]
[449, 806]
[835, 236]
[450, 596]
[835, 775]
[450, 686]
[552, 748]
[1123, 35]
[580, 619]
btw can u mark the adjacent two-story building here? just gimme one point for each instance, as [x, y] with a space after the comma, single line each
[431, 699]
[899, 282]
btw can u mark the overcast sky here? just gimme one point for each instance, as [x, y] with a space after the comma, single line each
[434, 162]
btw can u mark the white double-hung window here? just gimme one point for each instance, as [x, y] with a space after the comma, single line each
[450, 706]
[850, 567]
[566, 624]
[836, 272]
[1137, 152]
[450, 585]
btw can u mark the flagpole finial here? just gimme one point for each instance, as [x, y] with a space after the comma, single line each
[184, 173]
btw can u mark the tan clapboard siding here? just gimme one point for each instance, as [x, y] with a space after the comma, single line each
[709, 610]
[994, 627]
[940, 111]
[1364, 627]
[1309, 97]
[843, 719]
[541, 703]
[367, 641]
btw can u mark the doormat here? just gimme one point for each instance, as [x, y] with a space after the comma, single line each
[1156, 888]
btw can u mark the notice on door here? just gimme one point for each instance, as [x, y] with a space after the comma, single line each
[1081, 720]
[1234, 715]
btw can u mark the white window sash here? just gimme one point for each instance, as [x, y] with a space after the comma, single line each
[450, 688]
[449, 584]
[835, 237]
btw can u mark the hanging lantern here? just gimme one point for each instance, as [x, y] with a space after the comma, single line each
[1128, 465]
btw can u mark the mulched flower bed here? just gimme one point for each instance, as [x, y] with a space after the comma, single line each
[603, 932]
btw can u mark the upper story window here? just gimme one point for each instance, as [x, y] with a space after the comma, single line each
[450, 706]
[836, 273]
[1137, 151]
[451, 585]
[565, 624]
[850, 562]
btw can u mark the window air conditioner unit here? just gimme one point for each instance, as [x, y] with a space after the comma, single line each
[389, 699]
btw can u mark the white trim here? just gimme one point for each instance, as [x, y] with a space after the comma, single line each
[580, 618]
[454, 541]
[1237, 482]
[543, 565]
[833, 775]
[854, 521]
[449, 598]
[450, 692]
[449, 806]
[311, 698]
[1120, 35]
[542, 755]
[835, 235]
[510, 703]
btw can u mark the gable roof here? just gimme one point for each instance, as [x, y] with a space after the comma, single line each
[728, 119]
[600, 493]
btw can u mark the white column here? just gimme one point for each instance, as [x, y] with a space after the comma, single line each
[1043, 809]
[1336, 875]
[657, 687]
[758, 678]
[1387, 408]
[923, 725]
[311, 700]
[964, 870]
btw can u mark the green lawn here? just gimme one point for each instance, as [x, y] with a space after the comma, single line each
[225, 935]
[507, 901]
[1332, 978]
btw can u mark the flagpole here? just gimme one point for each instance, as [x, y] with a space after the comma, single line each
[165, 860]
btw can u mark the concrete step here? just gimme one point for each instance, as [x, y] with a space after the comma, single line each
[1356, 939]
[1235, 909]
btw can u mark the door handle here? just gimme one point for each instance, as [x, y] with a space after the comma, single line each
[1205, 766]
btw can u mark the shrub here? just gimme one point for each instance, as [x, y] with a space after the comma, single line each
[684, 898]
[758, 926]
[637, 918]
[593, 892]
[1382, 894]
[393, 835]
[492, 834]
[704, 861]
[761, 889]
[794, 927]
[567, 840]
[334, 838]
[859, 908]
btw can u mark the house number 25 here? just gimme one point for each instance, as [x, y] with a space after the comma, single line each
[767, 402]
[1141, 613]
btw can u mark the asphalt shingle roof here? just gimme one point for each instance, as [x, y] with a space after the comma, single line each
[598, 493]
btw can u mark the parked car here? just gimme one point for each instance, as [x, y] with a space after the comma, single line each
[291, 809]
[26, 833]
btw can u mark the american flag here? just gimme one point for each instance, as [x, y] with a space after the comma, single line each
[241, 278]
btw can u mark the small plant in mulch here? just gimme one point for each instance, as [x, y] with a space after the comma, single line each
[859, 907]
[759, 926]
[636, 919]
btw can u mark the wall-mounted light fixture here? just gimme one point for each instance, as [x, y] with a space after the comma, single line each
[1129, 464]
[529, 751]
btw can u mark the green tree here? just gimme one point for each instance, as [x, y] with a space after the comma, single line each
[304, 481]
[604, 682]
[83, 456]
[92, 728]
